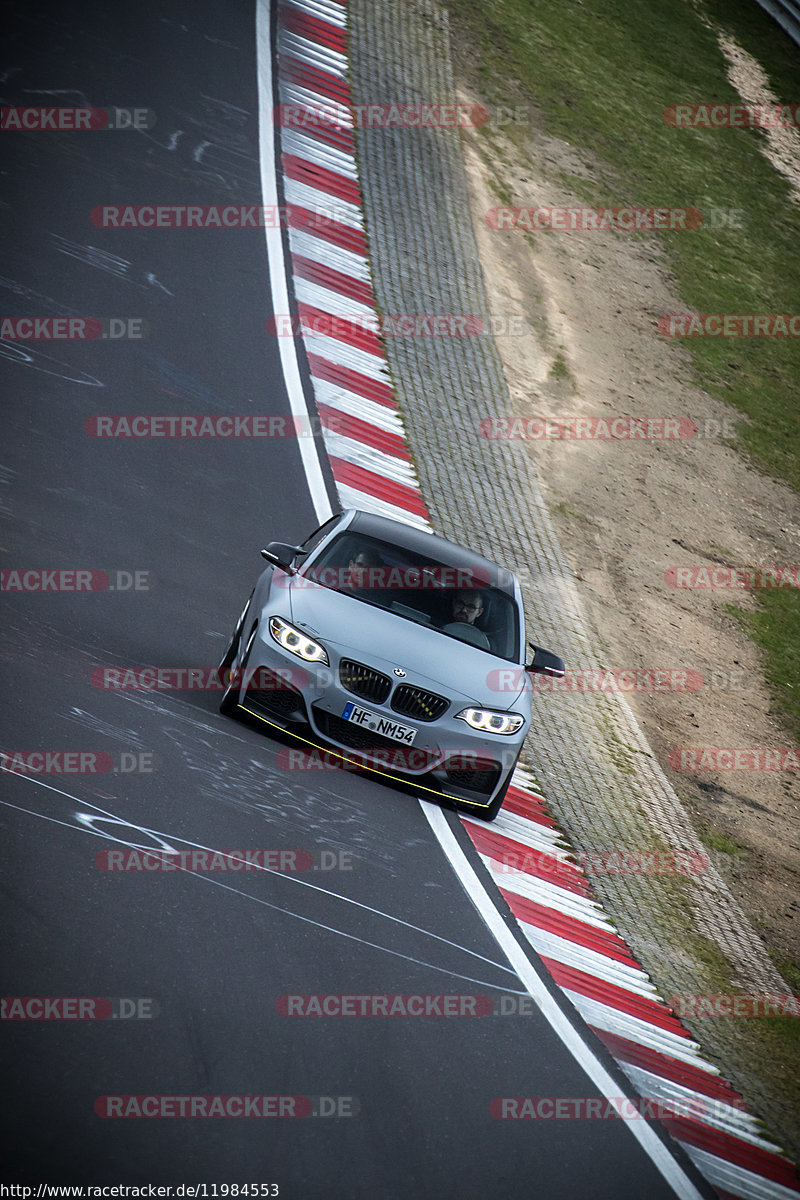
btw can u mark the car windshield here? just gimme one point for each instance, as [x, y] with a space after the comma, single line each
[458, 602]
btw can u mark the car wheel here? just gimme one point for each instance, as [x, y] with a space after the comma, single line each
[489, 814]
[230, 697]
[230, 654]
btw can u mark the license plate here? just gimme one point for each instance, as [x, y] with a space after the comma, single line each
[378, 724]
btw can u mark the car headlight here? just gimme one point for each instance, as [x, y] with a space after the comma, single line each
[488, 721]
[291, 639]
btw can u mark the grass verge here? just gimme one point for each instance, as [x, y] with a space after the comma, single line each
[602, 74]
[775, 627]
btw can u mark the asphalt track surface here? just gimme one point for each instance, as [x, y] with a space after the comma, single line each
[214, 951]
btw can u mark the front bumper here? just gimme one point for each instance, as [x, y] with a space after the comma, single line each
[447, 759]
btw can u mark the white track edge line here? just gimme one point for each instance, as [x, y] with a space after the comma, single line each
[309, 450]
[652, 1145]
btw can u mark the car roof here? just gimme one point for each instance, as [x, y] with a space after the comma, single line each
[420, 542]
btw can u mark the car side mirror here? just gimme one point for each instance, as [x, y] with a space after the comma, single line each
[281, 554]
[544, 662]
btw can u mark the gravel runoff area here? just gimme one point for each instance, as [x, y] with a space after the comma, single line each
[601, 779]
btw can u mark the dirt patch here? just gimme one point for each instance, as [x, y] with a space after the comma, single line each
[626, 511]
[748, 77]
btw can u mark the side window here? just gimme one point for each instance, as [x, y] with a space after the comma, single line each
[314, 540]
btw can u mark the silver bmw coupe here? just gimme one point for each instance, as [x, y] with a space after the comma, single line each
[393, 651]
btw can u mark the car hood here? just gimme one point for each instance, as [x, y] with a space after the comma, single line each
[384, 640]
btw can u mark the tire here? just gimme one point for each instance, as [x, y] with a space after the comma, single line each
[489, 814]
[230, 697]
[229, 702]
[233, 648]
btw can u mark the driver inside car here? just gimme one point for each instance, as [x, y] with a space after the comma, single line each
[464, 610]
[466, 607]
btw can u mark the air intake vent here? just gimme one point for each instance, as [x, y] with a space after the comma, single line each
[417, 703]
[363, 681]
